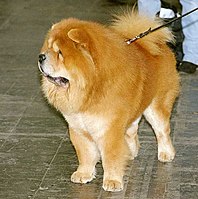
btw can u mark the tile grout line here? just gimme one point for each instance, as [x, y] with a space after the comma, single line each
[46, 172]
[13, 84]
[38, 134]
[11, 132]
[183, 88]
[21, 116]
[146, 179]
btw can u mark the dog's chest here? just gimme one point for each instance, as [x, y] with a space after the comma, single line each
[92, 124]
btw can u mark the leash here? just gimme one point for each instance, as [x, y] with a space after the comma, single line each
[150, 30]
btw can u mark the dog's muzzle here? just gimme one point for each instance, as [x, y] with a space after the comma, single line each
[59, 81]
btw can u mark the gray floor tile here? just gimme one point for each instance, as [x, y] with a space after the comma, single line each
[36, 155]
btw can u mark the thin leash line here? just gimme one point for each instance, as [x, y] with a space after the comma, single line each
[150, 30]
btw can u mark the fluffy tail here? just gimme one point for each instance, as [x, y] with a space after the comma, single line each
[130, 24]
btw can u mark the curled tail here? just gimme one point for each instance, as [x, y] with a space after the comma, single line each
[130, 24]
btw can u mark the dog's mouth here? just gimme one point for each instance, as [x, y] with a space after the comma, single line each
[59, 81]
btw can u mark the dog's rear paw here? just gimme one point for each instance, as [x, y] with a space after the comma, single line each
[78, 177]
[112, 185]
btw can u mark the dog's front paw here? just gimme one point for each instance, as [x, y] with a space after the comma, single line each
[166, 157]
[112, 185]
[79, 177]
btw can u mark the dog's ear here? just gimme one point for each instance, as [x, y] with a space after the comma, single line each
[82, 39]
[79, 36]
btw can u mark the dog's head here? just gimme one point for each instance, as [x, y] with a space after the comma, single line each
[66, 59]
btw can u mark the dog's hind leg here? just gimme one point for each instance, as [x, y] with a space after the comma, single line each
[158, 115]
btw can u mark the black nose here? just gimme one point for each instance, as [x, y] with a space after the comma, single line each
[42, 57]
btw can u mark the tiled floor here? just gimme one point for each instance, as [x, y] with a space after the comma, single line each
[36, 156]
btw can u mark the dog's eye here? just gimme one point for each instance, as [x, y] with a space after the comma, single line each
[60, 55]
[59, 52]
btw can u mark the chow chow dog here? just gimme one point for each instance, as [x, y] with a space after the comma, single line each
[103, 86]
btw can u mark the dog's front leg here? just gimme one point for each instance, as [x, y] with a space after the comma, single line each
[88, 156]
[114, 153]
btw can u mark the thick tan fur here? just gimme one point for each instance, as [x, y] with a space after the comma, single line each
[111, 85]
